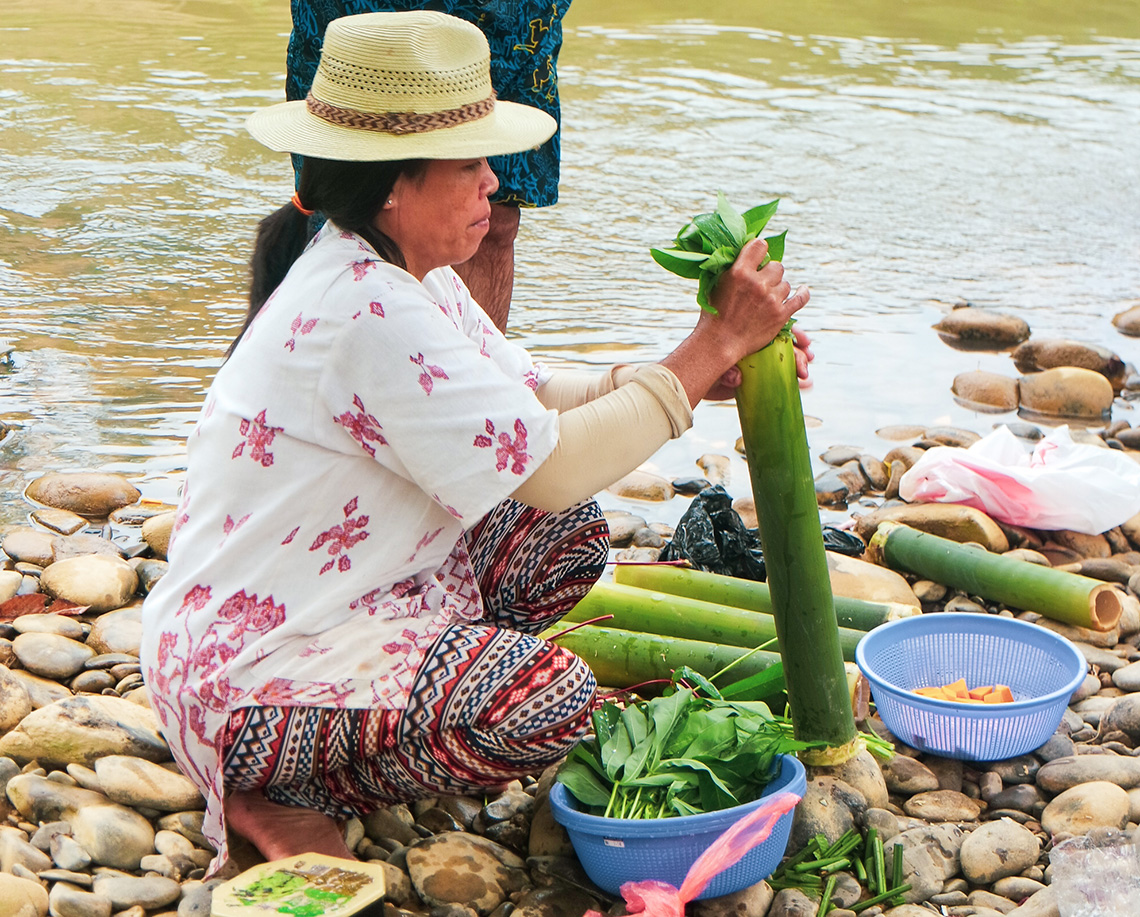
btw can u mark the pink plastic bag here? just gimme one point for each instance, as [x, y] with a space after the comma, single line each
[1059, 485]
[660, 899]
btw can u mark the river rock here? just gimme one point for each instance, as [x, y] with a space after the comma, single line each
[947, 520]
[59, 520]
[15, 703]
[1038, 354]
[829, 807]
[22, 897]
[1097, 804]
[755, 899]
[642, 485]
[189, 825]
[791, 902]
[51, 655]
[43, 800]
[68, 853]
[14, 848]
[1128, 321]
[62, 625]
[113, 835]
[118, 631]
[715, 468]
[831, 488]
[1128, 677]
[1067, 392]
[66, 546]
[10, 583]
[1094, 546]
[41, 691]
[134, 781]
[149, 892]
[27, 545]
[986, 391]
[84, 728]
[622, 526]
[98, 581]
[1123, 716]
[864, 774]
[907, 776]
[156, 533]
[90, 494]
[455, 868]
[67, 900]
[982, 329]
[1042, 904]
[997, 849]
[858, 579]
[943, 806]
[930, 857]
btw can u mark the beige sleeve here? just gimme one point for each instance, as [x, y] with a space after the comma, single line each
[569, 388]
[608, 437]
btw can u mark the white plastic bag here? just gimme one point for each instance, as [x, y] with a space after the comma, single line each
[1059, 485]
[1097, 877]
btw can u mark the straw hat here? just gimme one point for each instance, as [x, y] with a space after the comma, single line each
[412, 85]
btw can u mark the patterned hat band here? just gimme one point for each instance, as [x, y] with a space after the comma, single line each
[399, 122]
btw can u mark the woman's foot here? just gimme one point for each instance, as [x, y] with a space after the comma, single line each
[279, 831]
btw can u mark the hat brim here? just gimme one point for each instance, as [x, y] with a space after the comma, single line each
[289, 127]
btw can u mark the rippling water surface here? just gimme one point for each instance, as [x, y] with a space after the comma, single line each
[924, 153]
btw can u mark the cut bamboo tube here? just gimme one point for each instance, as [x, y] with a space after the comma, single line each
[717, 588]
[621, 658]
[647, 611]
[779, 465]
[1060, 596]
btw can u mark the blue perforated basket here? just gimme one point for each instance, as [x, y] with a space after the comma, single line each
[1042, 669]
[617, 850]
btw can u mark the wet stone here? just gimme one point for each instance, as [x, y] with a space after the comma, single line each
[89, 494]
[996, 850]
[51, 655]
[690, 487]
[59, 520]
[149, 892]
[60, 625]
[66, 546]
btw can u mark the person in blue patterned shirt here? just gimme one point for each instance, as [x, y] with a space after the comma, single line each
[525, 37]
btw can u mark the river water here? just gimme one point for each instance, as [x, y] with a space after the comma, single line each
[924, 153]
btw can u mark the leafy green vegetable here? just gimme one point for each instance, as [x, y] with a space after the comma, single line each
[684, 752]
[707, 245]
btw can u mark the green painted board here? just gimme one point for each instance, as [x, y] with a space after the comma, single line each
[309, 885]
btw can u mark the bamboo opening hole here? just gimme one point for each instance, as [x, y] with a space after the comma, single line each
[1105, 607]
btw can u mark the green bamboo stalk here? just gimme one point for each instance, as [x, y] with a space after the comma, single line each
[621, 658]
[646, 611]
[1061, 596]
[779, 463]
[745, 593]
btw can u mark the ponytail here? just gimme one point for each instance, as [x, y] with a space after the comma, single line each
[348, 193]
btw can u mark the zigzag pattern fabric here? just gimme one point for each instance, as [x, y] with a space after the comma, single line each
[490, 703]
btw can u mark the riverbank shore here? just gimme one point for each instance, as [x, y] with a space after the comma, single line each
[98, 821]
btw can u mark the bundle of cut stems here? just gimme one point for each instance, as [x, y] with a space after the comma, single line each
[622, 658]
[750, 594]
[647, 611]
[1061, 596]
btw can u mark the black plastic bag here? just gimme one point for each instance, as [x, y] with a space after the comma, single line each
[712, 537]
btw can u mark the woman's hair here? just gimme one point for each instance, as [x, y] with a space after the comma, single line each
[348, 193]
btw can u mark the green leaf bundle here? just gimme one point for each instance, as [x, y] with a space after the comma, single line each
[708, 244]
[682, 753]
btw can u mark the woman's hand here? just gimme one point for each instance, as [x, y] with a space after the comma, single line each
[725, 387]
[753, 304]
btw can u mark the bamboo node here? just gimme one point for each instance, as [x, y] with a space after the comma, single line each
[835, 755]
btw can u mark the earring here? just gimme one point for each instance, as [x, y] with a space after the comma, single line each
[389, 202]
